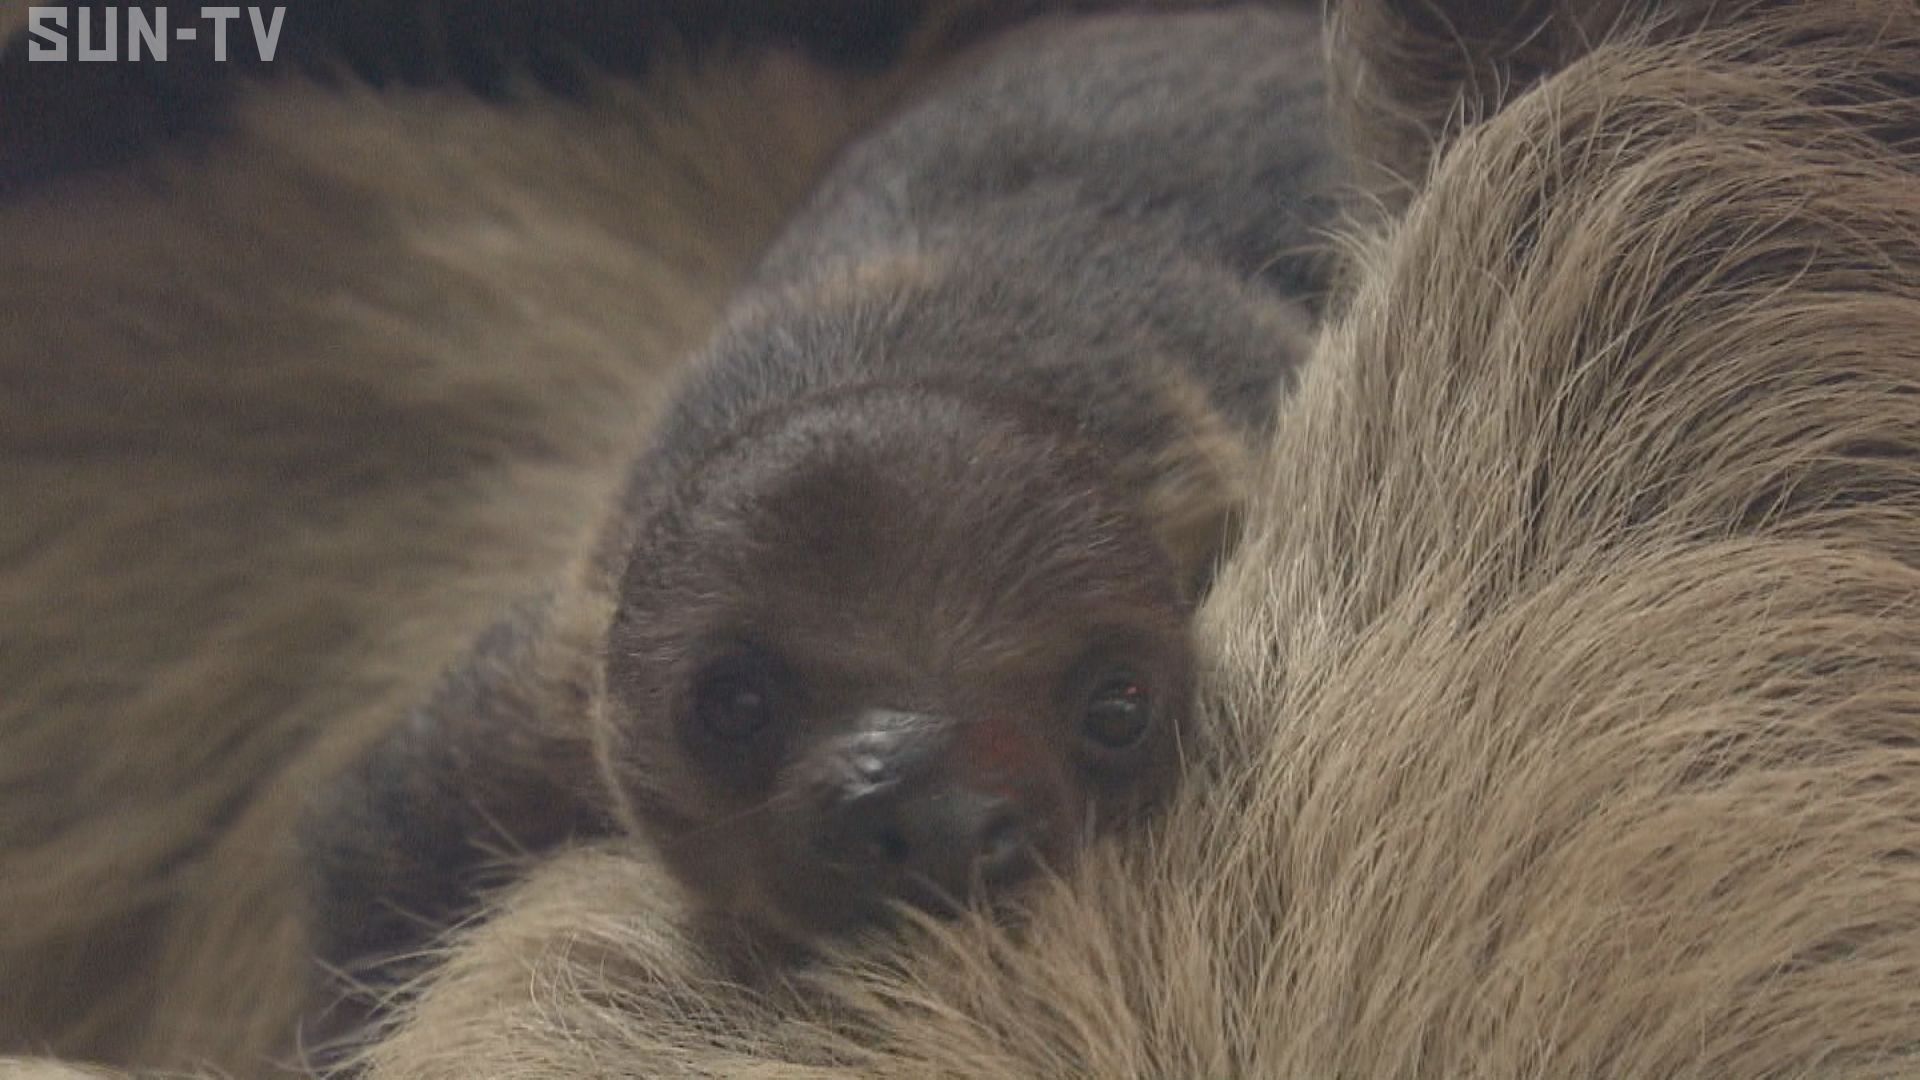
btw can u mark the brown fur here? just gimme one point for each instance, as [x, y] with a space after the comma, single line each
[1411, 74]
[1567, 701]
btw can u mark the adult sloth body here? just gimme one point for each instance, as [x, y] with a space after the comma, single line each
[896, 606]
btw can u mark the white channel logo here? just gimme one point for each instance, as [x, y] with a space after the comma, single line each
[145, 33]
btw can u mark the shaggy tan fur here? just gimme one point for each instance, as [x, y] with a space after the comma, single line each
[27, 1069]
[1567, 688]
[1413, 73]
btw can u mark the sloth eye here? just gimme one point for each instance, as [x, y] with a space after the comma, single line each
[1118, 711]
[733, 698]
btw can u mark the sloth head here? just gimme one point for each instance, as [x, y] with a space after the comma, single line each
[891, 646]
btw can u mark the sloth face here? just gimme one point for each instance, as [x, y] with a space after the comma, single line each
[897, 649]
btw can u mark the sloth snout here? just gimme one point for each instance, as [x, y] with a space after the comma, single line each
[935, 846]
[906, 823]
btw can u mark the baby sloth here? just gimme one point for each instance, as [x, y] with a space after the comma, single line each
[891, 640]
[896, 607]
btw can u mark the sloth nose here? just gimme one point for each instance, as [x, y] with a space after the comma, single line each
[913, 829]
[936, 846]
